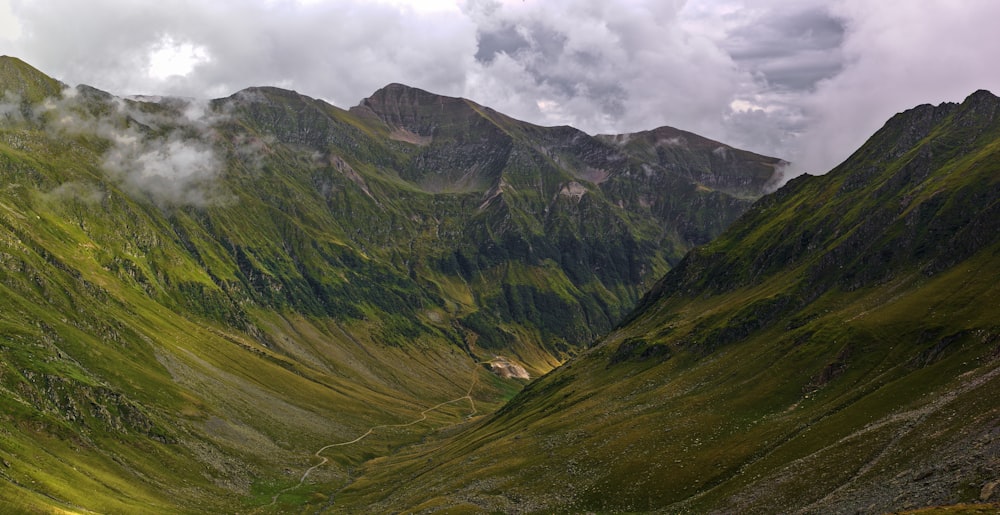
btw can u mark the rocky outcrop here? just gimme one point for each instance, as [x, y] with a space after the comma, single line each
[507, 369]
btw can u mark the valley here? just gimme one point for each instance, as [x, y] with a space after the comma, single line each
[265, 303]
[836, 350]
[199, 295]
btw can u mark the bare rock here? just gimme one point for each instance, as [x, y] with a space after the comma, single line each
[988, 490]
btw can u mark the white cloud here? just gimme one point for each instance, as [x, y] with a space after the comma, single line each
[899, 55]
[174, 171]
[608, 66]
[169, 58]
[424, 6]
[806, 80]
[10, 28]
[168, 156]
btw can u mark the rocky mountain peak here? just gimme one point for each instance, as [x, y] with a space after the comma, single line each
[702, 161]
[412, 109]
[983, 95]
[980, 108]
[907, 129]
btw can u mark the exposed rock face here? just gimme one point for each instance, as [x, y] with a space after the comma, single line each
[691, 184]
[558, 195]
[703, 161]
[421, 112]
[988, 490]
[462, 124]
[507, 369]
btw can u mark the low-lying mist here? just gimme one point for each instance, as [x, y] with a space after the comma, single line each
[165, 151]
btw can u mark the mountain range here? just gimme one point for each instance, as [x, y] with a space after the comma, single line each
[836, 350]
[266, 303]
[198, 295]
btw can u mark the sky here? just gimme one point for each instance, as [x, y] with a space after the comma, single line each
[805, 80]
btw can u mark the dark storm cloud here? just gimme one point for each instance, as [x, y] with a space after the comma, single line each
[783, 32]
[505, 39]
[601, 66]
[542, 51]
[793, 49]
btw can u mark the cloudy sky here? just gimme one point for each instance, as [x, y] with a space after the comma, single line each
[805, 80]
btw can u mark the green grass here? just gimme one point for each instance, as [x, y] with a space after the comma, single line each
[162, 355]
[842, 337]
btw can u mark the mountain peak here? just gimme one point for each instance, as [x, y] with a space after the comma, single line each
[398, 87]
[704, 161]
[982, 106]
[397, 91]
[982, 95]
[25, 82]
[908, 129]
[413, 109]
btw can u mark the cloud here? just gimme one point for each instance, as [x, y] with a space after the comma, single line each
[170, 156]
[11, 108]
[805, 80]
[166, 154]
[896, 57]
[338, 51]
[172, 171]
[600, 66]
[792, 49]
[827, 75]
[9, 27]
[74, 190]
[172, 58]
[603, 67]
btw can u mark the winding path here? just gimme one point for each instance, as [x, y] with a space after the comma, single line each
[913, 420]
[423, 416]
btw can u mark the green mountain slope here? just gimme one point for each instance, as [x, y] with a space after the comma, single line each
[836, 350]
[587, 220]
[197, 297]
[23, 84]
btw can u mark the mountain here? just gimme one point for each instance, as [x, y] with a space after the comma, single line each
[700, 160]
[24, 84]
[510, 222]
[556, 196]
[232, 305]
[836, 350]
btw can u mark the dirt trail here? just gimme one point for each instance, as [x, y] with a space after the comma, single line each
[913, 419]
[910, 420]
[422, 417]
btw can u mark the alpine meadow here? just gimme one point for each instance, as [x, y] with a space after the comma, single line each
[265, 303]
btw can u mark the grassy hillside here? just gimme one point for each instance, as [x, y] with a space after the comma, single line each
[836, 350]
[232, 305]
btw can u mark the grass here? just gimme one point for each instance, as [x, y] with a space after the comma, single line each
[823, 354]
[161, 355]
